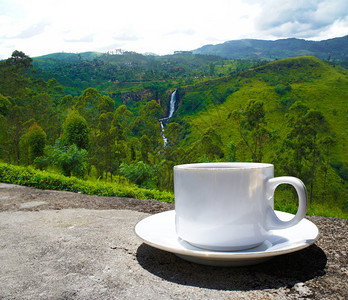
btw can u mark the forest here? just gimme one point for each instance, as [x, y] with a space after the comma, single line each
[333, 50]
[96, 117]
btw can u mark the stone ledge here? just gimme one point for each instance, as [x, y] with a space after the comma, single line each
[81, 252]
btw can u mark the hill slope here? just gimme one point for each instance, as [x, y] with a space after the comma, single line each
[68, 57]
[209, 111]
[310, 80]
[334, 49]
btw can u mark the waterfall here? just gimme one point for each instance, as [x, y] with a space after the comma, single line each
[172, 105]
[164, 121]
[165, 140]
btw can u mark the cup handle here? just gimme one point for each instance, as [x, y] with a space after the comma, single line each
[273, 222]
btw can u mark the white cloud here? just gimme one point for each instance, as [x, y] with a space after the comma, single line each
[301, 18]
[33, 30]
[84, 39]
[44, 26]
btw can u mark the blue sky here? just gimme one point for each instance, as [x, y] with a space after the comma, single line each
[39, 27]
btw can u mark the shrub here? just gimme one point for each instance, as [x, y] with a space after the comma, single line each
[37, 141]
[45, 180]
[69, 159]
[139, 173]
[281, 89]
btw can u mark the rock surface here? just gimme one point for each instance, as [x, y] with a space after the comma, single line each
[62, 245]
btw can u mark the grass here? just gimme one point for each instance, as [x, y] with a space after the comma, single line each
[315, 83]
[44, 180]
[283, 201]
[317, 209]
[318, 85]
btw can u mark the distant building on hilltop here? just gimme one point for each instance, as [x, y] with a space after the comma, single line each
[182, 52]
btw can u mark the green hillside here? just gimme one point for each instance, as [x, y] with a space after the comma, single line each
[99, 119]
[332, 49]
[307, 79]
[68, 57]
[279, 86]
[110, 72]
[122, 72]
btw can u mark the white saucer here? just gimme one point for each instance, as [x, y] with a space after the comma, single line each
[159, 231]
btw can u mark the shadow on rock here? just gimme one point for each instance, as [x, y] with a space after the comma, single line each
[281, 271]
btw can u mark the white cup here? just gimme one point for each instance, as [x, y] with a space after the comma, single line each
[229, 206]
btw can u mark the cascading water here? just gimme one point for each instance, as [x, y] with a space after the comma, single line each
[165, 140]
[165, 120]
[172, 105]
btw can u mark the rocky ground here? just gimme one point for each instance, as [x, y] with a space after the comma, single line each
[56, 245]
[15, 197]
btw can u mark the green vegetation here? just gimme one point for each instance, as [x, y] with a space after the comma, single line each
[291, 112]
[333, 50]
[45, 180]
[115, 73]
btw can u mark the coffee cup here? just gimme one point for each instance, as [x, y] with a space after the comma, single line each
[230, 206]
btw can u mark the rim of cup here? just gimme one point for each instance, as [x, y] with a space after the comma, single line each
[224, 165]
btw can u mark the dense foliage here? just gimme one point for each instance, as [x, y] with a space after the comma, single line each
[46, 180]
[292, 113]
[103, 124]
[129, 71]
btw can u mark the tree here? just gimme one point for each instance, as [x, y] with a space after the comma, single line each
[210, 145]
[41, 108]
[68, 158]
[55, 90]
[105, 105]
[64, 105]
[147, 124]
[315, 124]
[32, 144]
[110, 144]
[211, 69]
[13, 74]
[124, 117]
[157, 89]
[20, 60]
[174, 132]
[300, 154]
[133, 146]
[326, 144]
[295, 143]
[145, 148]
[253, 128]
[118, 132]
[66, 102]
[75, 130]
[36, 141]
[165, 174]
[232, 154]
[16, 124]
[98, 111]
[5, 105]
[88, 105]
[206, 149]
[102, 148]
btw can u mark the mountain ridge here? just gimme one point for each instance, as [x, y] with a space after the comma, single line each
[331, 49]
[334, 49]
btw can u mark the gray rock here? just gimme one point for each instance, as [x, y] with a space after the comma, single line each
[84, 253]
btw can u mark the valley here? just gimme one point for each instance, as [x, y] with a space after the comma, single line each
[101, 118]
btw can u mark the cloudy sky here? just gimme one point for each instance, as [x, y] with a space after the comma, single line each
[39, 27]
